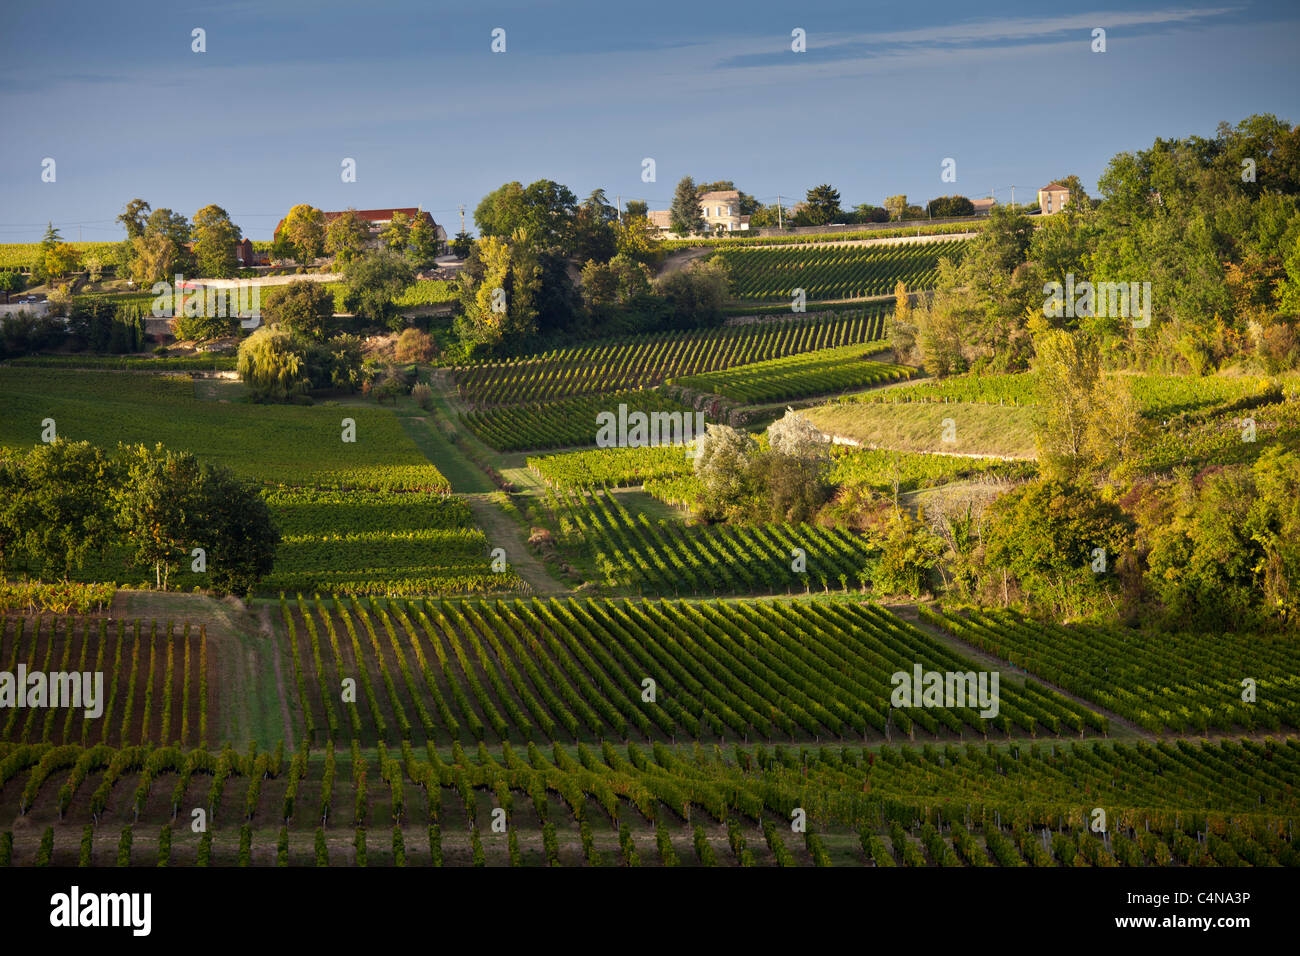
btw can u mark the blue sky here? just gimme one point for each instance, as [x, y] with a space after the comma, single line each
[586, 90]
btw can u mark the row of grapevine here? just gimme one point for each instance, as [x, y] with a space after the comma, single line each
[1181, 682]
[469, 670]
[797, 376]
[151, 680]
[1193, 804]
[645, 360]
[570, 422]
[836, 272]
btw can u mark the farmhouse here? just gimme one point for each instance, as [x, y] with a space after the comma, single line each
[720, 209]
[1053, 197]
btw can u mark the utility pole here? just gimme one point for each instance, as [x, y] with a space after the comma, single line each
[619, 207]
[779, 224]
[1013, 197]
[462, 218]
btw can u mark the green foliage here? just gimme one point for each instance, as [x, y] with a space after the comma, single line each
[301, 308]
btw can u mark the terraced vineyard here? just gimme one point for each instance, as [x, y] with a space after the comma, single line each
[835, 272]
[1228, 804]
[571, 670]
[1178, 682]
[610, 467]
[797, 376]
[155, 680]
[566, 423]
[640, 361]
[669, 558]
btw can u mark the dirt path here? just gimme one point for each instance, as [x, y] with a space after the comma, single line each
[503, 532]
[909, 613]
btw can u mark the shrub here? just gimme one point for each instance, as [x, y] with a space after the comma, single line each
[414, 346]
[423, 396]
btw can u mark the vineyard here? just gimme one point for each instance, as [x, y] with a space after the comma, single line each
[610, 467]
[566, 423]
[797, 376]
[155, 680]
[1159, 396]
[1178, 682]
[835, 272]
[641, 361]
[575, 670]
[1226, 804]
[670, 558]
[24, 255]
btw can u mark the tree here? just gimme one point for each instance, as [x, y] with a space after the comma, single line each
[896, 206]
[346, 237]
[11, 281]
[685, 216]
[65, 512]
[49, 242]
[302, 308]
[697, 293]
[158, 507]
[423, 241]
[635, 208]
[215, 237]
[499, 291]
[162, 221]
[634, 238]
[793, 473]
[722, 464]
[864, 213]
[133, 218]
[94, 267]
[501, 211]
[822, 205]
[1048, 534]
[1066, 373]
[909, 553]
[240, 536]
[304, 230]
[595, 228]
[950, 207]
[60, 261]
[397, 234]
[154, 258]
[462, 245]
[271, 366]
[373, 281]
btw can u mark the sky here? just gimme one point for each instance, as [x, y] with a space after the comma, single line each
[585, 91]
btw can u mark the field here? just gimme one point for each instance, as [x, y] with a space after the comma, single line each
[567, 423]
[23, 255]
[1160, 396]
[1185, 682]
[641, 361]
[660, 557]
[293, 445]
[973, 429]
[797, 376]
[835, 272]
[155, 680]
[1224, 804]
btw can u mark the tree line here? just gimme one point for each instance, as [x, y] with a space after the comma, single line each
[63, 503]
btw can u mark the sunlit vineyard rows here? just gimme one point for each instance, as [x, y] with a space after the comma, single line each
[797, 376]
[835, 272]
[639, 361]
[981, 805]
